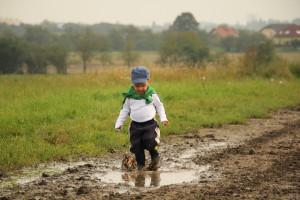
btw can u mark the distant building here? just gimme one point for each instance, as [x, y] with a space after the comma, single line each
[10, 21]
[224, 31]
[271, 30]
[284, 36]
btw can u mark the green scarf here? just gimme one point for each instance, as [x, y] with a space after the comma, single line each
[132, 94]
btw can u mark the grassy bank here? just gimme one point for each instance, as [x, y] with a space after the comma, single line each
[50, 117]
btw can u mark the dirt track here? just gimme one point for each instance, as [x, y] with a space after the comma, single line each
[260, 160]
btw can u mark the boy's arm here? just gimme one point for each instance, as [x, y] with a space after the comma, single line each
[160, 109]
[123, 115]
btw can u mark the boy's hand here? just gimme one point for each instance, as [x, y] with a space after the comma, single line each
[165, 122]
[119, 128]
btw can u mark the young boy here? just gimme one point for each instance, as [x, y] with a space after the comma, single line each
[142, 103]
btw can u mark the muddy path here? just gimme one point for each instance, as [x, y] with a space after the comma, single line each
[260, 160]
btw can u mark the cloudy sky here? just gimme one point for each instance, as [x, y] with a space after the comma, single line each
[145, 12]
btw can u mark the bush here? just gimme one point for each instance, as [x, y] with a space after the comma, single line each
[295, 69]
[258, 57]
[106, 58]
[221, 59]
[279, 68]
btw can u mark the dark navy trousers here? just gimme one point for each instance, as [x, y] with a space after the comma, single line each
[144, 136]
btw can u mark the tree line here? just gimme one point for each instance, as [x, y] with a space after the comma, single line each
[38, 45]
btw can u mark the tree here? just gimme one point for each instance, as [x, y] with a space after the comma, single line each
[12, 54]
[51, 26]
[144, 40]
[148, 41]
[247, 39]
[37, 39]
[116, 40]
[128, 54]
[184, 48]
[57, 55]
[208, 39]
[185, 22]
[36, 58]
[68, 39]
[228, 43]
[87, 44]
[38, 35]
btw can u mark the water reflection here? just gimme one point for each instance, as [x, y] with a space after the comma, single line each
[142, 179]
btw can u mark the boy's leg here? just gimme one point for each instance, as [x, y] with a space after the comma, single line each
[151, 136]
[140, 159]
[155, 160]
[151, 141]
[137, 146]
[153, 153]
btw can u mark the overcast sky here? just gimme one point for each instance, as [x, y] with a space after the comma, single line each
[145, 12]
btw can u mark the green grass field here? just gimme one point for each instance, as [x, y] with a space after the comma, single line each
[53, 117]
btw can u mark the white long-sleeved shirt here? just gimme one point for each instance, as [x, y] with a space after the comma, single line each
[139, 111]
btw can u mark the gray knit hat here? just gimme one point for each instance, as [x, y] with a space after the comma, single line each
[140, 74]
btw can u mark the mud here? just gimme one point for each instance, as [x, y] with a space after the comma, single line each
[260, 160]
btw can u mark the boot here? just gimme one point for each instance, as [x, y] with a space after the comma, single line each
[141, 168]
[154, 165]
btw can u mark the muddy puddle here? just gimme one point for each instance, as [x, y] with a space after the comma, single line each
[177, 168]
[165, 176]
[106, 174]
[151, 178]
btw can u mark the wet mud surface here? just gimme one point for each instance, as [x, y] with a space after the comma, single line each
[260, 160]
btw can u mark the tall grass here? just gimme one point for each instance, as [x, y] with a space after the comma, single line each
[53, 117]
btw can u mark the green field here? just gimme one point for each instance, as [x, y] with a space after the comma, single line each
[54, 117]
[57, 117]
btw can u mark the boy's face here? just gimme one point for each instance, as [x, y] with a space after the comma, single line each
[141, 88]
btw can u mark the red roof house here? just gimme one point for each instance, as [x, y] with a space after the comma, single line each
[272, 29]
[289, 31]
[287, 34]
[224, 31]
